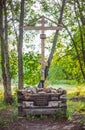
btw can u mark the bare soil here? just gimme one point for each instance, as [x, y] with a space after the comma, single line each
[9, 121]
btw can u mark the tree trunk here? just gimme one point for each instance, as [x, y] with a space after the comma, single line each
[20, 45]
[4, 54]
[54, 42]
[12, 13]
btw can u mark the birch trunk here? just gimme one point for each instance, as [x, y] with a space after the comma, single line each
[20, 45]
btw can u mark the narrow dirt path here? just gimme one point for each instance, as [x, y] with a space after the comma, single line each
[41, 125]
[10, 122]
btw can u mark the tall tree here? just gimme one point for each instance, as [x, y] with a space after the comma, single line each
[4, 52]
[6, 47]
[20, 45]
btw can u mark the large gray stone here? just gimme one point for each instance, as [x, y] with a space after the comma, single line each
[46, 111]
[28, 104]
[52, 104]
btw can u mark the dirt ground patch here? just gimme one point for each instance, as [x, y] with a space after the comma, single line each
[9, 121]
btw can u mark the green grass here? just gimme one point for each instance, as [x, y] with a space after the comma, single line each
[68, 82]
[3, 105]
[10, 111]
[4, 122]
[75, 107]
[1, 87]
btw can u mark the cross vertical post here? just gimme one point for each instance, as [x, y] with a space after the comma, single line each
[43, 20]
[43, 37]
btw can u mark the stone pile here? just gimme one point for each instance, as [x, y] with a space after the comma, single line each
[36, 101]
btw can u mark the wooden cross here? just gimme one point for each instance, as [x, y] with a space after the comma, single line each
[43, 28]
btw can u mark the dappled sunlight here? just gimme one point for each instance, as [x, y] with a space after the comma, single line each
[1, 95]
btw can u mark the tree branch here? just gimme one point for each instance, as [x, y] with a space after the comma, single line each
[75, 45]
[11, 6]
[81, 33]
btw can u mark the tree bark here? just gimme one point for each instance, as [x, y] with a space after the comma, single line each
[20, 45]
[54, 42]
[6, 50]
[12, 13]
[4, 54]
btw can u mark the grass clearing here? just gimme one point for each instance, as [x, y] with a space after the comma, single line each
[68, 82]
[74, 108]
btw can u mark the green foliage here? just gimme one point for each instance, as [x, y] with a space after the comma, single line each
[4, 122]
[13, 64]
[36, 117]
[65, 64]
[3, 105]
[75, 107]
[64, 68]
[31, 68]
[14, 116]
[42, 117]
[15, 103]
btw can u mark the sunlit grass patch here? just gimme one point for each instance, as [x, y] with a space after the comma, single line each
[68, 82]
[79, 90]
[75, 107]
[3, 105]
[1, 95]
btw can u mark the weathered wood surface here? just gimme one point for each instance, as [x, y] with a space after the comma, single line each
[44, 28]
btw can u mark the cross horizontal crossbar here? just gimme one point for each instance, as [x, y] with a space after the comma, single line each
[43, 28]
